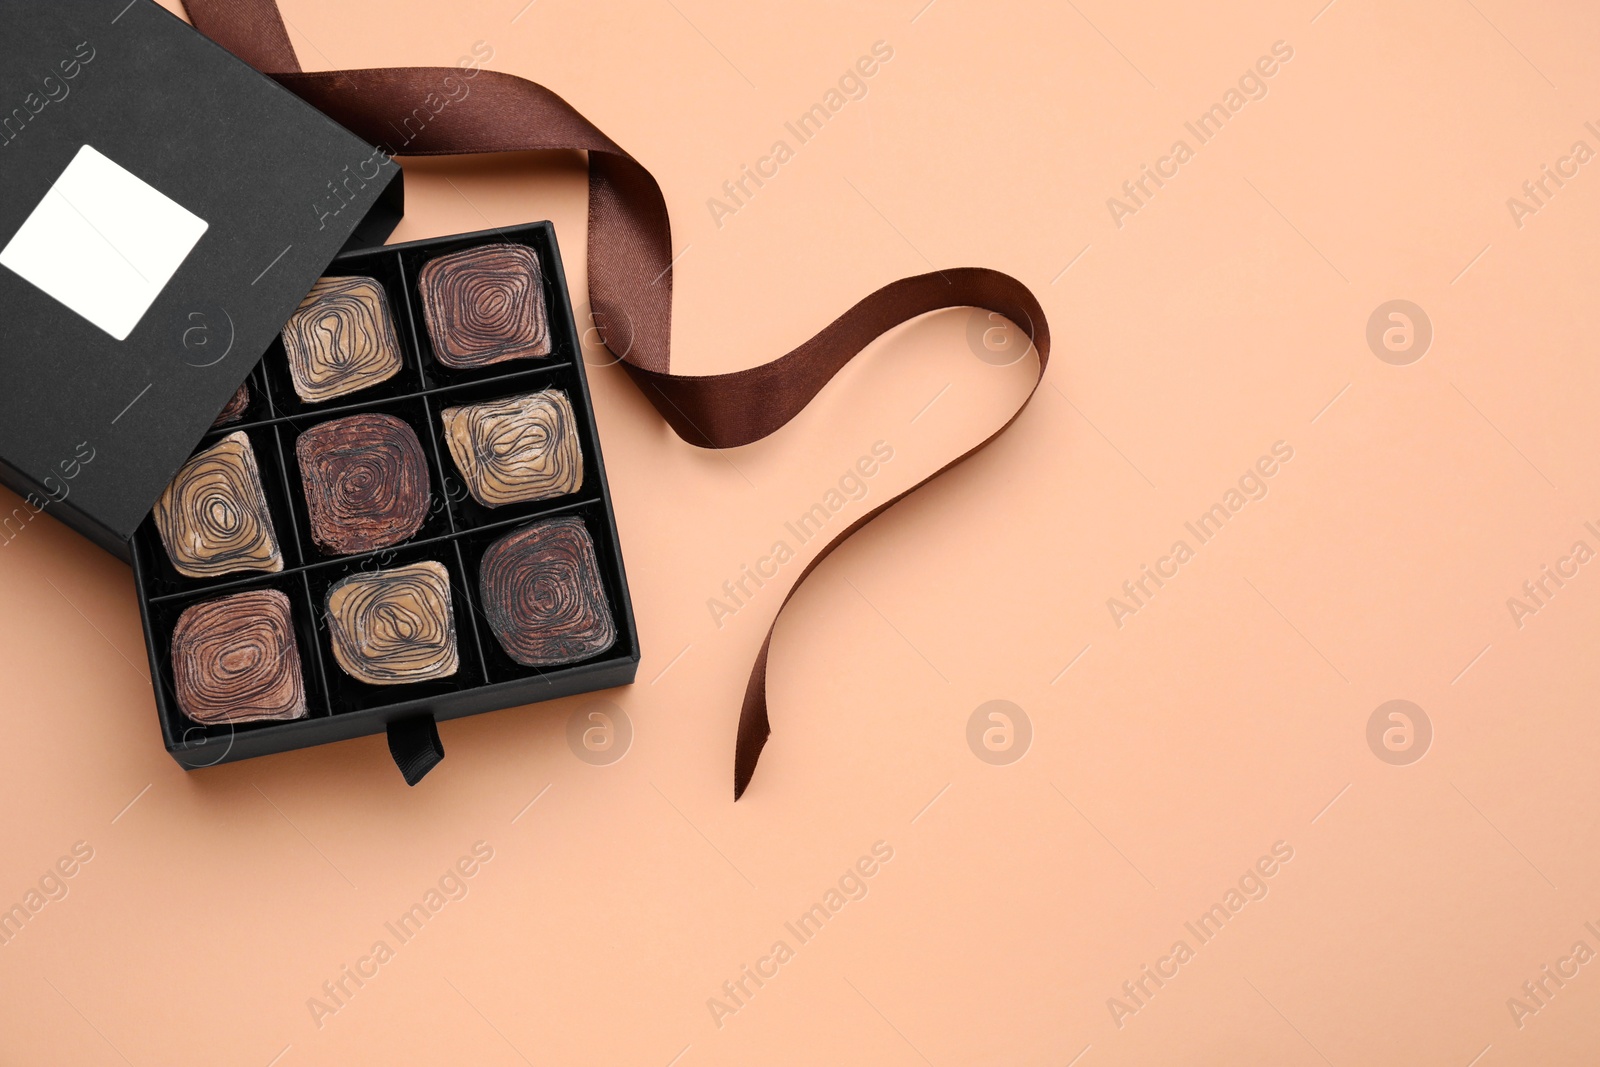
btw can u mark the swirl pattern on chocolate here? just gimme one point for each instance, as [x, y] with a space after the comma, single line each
[395, 626]
[233, 411]
[213, 516]
[235, 659]
[485, 305]
[365, 480]
[518, 449]
[341, 338]
[543, 595]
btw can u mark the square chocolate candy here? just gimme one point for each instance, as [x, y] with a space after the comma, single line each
[485, 305]
[394, 626]
[366, 482]
[213, 516]
[518, 449]
[543, 595]
[340, 339]
[235, 659]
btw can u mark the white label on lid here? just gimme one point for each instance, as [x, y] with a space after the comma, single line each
[103, 242]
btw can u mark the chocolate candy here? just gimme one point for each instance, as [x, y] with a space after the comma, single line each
[341, 339]
[394, 626]
[365, 480]
[213, 516]
[543, 596]
[235, 659]
[485, 305]
[233, 411]
[518, 449]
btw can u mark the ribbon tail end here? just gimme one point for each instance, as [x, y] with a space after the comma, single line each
[754, 729]
[744, 761]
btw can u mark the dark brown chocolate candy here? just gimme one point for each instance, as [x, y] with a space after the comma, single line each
[518, 449]
[485, 305]
[340, 339]
[213, 516]
[394, 626]
[235, 659]
[233, 411]
[365, 480]
[543, 595]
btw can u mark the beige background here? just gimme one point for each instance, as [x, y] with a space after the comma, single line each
[1227, 314]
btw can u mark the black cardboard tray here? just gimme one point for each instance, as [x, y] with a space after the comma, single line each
[456, 531]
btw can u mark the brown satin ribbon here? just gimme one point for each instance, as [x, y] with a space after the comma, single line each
[630, 263]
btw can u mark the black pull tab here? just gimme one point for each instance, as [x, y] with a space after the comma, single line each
[414, 743]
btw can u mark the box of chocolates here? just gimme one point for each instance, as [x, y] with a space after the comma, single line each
[400, 517]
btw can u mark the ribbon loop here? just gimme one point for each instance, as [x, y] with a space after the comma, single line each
[630, 260]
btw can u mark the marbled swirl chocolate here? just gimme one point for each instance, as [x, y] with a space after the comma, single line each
[235, 659]
[213, 516]
[340, 339]
[543, 595]
[395, 626]
[485, 305]
[234, 410]
[518, 449]
[366, 482]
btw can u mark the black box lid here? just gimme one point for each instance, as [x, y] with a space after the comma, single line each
[163, 209]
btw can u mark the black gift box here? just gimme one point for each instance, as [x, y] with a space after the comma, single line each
[163, 208]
